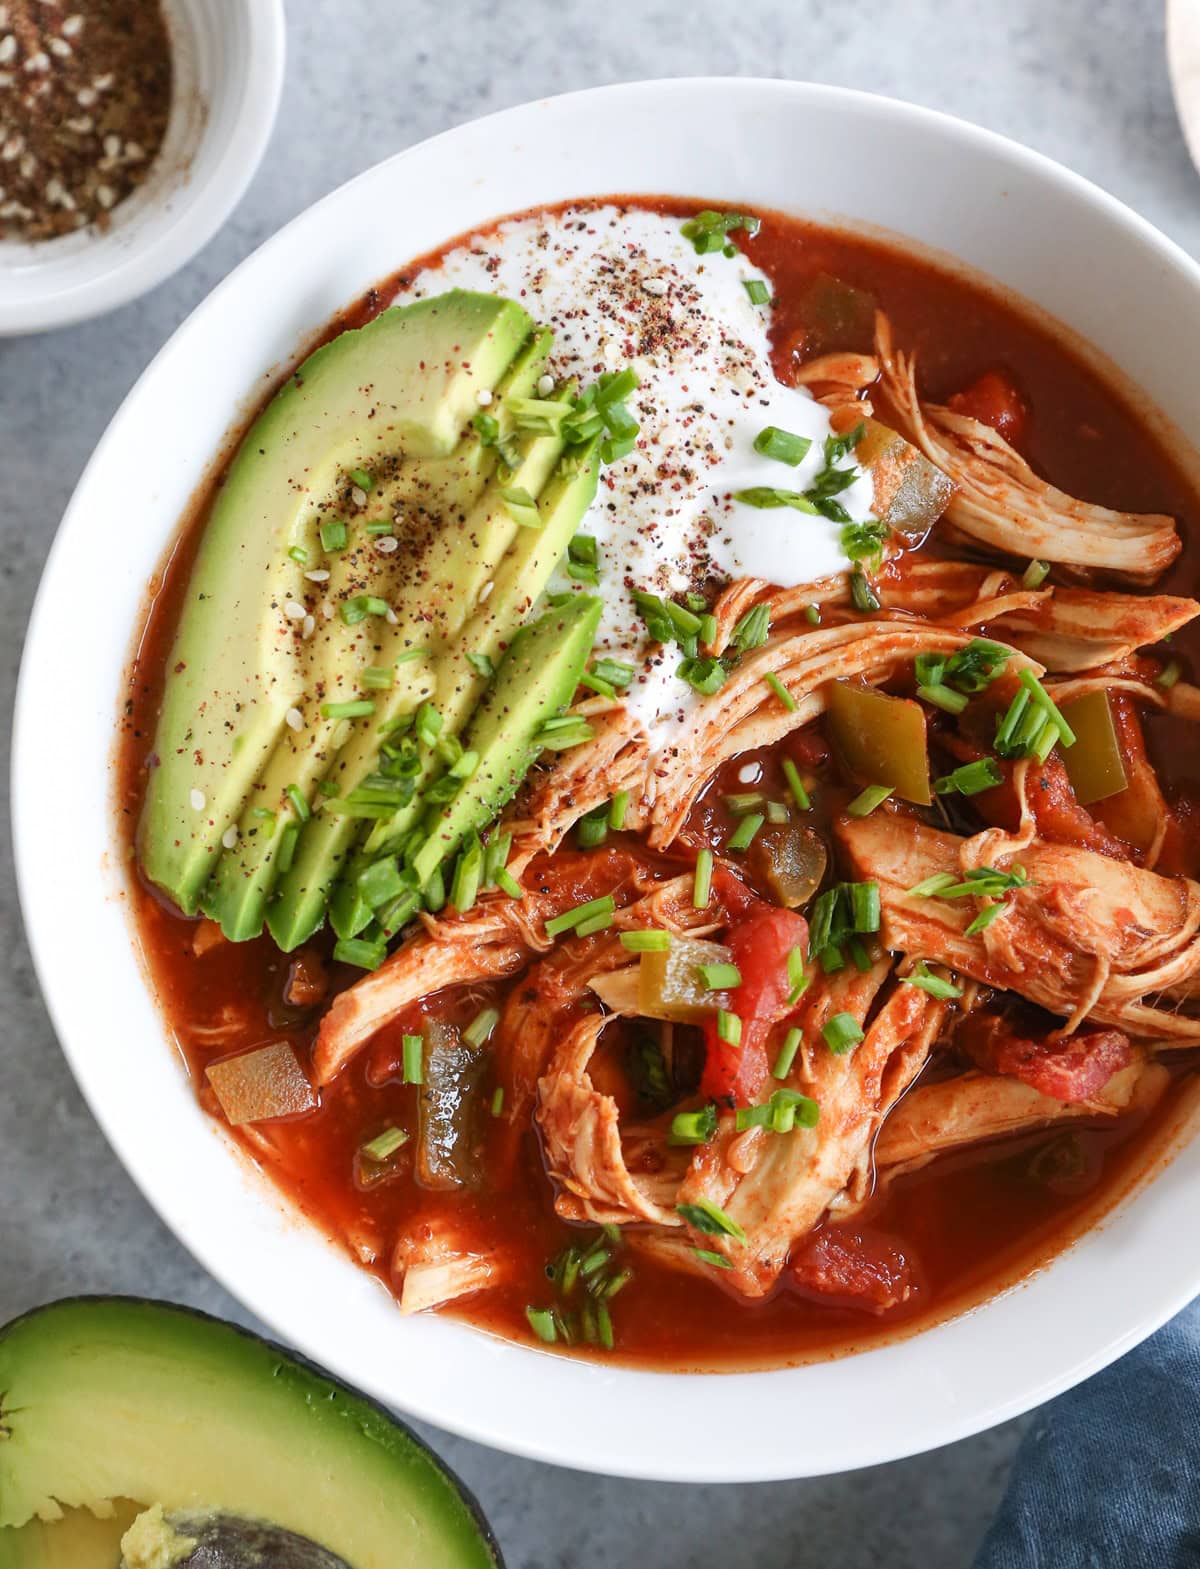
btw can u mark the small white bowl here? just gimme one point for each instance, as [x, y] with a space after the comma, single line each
[228, 72]
[832, 155]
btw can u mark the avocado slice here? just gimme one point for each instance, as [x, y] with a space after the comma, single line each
[535, 682]
[519, 579]
[455, 529]
[405, 385]
[220, 1443]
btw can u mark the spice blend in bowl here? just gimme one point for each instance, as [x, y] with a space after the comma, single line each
[84, 101]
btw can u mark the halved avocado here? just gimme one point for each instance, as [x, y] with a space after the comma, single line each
[204, 1447]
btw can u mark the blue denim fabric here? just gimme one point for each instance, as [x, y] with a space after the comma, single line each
[1108, 1475]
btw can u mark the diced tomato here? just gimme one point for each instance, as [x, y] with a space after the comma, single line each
[994, 401]
[858, 1269]
[1073, 1069]
[760, 943]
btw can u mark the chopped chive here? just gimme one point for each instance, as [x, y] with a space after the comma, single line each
[971, 778]
[932, 886]
[482, 665]
[796, 785]
[333, 534]
[376, 678]
[706, 676]
[787, 1053]
[541, 1321]
[720, 977]
[796, 978]
[866, 802]
[708, 1217]
[498, 1100]
[943, 990]
[298, 554]
[521, 507]
[756, 291]
[729, 1027]
[984, 919]
[716, 1260]
[614, 672]
[864, 906]
[508, 884]
[618, 807]
[753, 629]
[1169, 675]
[595, 923]
[591, 831]
[944, 697]
[413, 1061]
[358, 709]
[649, 941]
[864, 596]
[1035, 574]
[781, 691]
[481, 1026]
[1044, 701]
[299, 805]
[782, 445]
[570, 919]
[777, 812]
[362, 479]
[702, 882]
[744, 802]
[487, 427]
[812, 614]
[694, 1127]
[381, 882]
[360, 951]
[842, 1032]
[384, 1144]
[742, 836]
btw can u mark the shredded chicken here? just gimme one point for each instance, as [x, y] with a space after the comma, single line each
[1087, 938]
[433, 1267]
[1002, 504]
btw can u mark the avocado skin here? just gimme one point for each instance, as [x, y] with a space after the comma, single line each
[326, 1413]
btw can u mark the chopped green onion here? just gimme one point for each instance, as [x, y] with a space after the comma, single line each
[931, 887]
[841, 1033]
[584, 547]
[1169, 675]
[595, 923]
[498, 1100]
[357, 609]
[971, 778]
[709, 1218]
[592, 830]
[384, 1144]
[482, 665]
[376, 678]
[864, 906]
[649, 941]
[541, 1321]
[596, 684]
[781, 691]
[720, 977]
[615, 386]
[705, 676]
[1045, 702]
[796, 785]
[864, 596]
[381, 882]
[796, 978]
[521, 507]
[729, 1027]
[333, 534]
[358, 709]
[556, 735]
[617, 810]
[708, 628]
[468, 871]
[943, 990]
[782, 445]
[487, 427]
[756, 291]
[866, 802]
[570, 919]
[742, 836]
[777, 812]
[944, 697]
[481, 1026]
[360, 951]
[508, 884]
[361, 478]
[787, 1053]
[614, 671]
[752, 629]
[716, 1260]
[1035, 574]
[413, 1059]
[299, 805]
[984, 919]
[702, 882]
[769, 497]
[694, 1127]
[298, 554]
[812, 614]
[744, 802]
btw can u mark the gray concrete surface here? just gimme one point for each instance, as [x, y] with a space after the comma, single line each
[1084, 82]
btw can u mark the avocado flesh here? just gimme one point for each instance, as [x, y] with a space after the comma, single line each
[405, 384]
[518, 580]
[536, 681]
[116, 1399]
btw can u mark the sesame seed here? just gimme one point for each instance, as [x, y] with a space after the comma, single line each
[106, 196]
[387, 544]
[12, 148]
[103, 83]
[81, 124]
[197, 798]
[55, 190]
[486, 590]
[112, 146]
[85, 97]
[8, 49]
[359, 496]
[27, 165]
[483, 397]
[134, 152]
[295, 719]
[38, 62]
[293, 610]
[229, 838]
[60, 47]
[327, 609]
[545, 386]
[72, 26]
[318, 575]
[655, 286]
[308, 626]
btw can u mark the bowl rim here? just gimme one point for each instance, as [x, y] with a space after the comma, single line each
[199, 208]
[954, 1419]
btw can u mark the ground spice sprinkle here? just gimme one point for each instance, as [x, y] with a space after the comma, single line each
[85, 92]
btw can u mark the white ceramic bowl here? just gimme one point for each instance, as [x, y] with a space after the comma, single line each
[1068, 248]
[228, 59]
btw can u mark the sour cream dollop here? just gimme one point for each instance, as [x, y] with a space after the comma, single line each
[625, 286]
